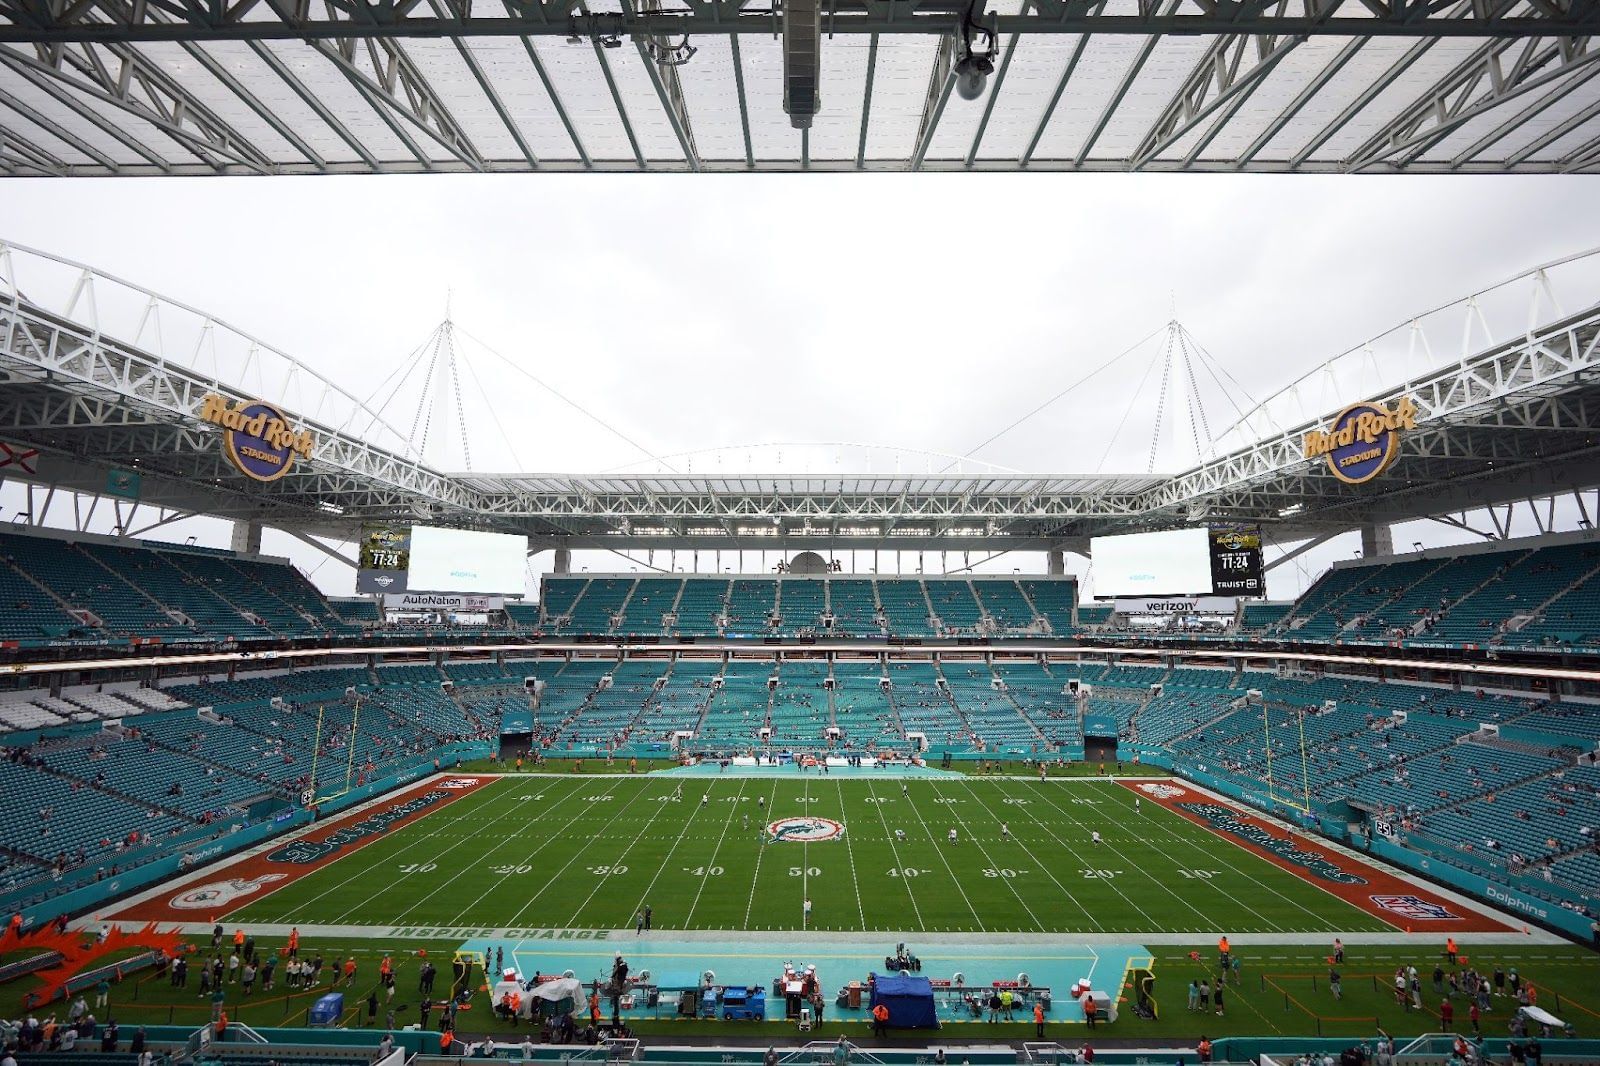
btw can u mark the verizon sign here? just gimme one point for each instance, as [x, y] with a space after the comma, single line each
[1170, 605]
[441, 601]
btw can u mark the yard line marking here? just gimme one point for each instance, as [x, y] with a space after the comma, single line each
[1154, 923]
[851, 855]
[896, 852]
[475, 806]
[643, 829]
[934, 843]
[1038, 859]
[516, 919]
[805, 861]
[494, 884]
[1197, 845]
[688, 918]
[465, 868]
[977, 840]
[772, 802]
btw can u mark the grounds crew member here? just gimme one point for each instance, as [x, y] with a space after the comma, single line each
[880, 1020]
[1038, 1019]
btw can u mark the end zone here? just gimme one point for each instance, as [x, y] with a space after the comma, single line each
[1382, 893]
[235, 883]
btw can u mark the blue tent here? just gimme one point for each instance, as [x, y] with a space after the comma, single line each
[909, 999]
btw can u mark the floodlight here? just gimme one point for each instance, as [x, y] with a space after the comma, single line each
[972, 74]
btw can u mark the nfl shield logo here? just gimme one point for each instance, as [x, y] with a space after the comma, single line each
[1414, 908]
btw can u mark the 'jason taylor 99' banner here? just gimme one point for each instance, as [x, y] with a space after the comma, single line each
[1236, 559]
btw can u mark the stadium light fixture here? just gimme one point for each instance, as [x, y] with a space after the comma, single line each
[973, 64]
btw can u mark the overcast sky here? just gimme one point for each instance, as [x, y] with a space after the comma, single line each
[914, 312]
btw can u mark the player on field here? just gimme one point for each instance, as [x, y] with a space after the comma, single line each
[1094, 835]
[1005, 831]
[952, 836]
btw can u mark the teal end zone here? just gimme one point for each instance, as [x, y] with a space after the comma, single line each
[677, 966]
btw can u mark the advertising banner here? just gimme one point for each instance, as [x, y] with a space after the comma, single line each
[1236, 568]
[384, 558]
[459, 603]
[1182, 605]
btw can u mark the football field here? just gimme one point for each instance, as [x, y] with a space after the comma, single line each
[591, 852]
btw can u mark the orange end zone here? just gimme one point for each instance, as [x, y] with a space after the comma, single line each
[284, 861]
[1385, 895]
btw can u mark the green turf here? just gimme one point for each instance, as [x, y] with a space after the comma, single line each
[577, 852]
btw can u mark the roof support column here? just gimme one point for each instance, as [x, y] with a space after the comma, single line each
[1376, 540]
[246, 538]
[1055, 563]
[563, 561]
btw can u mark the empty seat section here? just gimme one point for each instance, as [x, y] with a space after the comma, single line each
[611, 711]
[175, 588]
[678, 705]
[800, 604]
[1004, 602]
[700, 606]
[1038, 693]
[905, 607]
[738, 711]
[923, 706]
[652, 599]
[750, 603]
[1052, 600]
[600, 601]
[954, 604]
[800, 703]
[993, 721]
[861, 709]
[557, 596]
[77, 579]
[855, 609]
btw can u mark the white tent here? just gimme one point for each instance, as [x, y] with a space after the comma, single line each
[1543, 1017]
[553, 992]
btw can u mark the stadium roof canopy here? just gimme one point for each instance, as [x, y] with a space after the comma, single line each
[186, 87]
[104, 378]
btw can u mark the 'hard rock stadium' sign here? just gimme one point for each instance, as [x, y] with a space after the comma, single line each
[258, 438]
[1363, 440]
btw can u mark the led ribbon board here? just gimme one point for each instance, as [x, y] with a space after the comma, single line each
[1363, 440]
[258, 438]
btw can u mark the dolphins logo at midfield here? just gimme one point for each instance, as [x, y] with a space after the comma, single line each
[809, 830]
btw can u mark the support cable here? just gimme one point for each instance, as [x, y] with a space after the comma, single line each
[602, 423]
[1133, 401]
[1196, 408]
[1102, 368]
[1161, 397]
